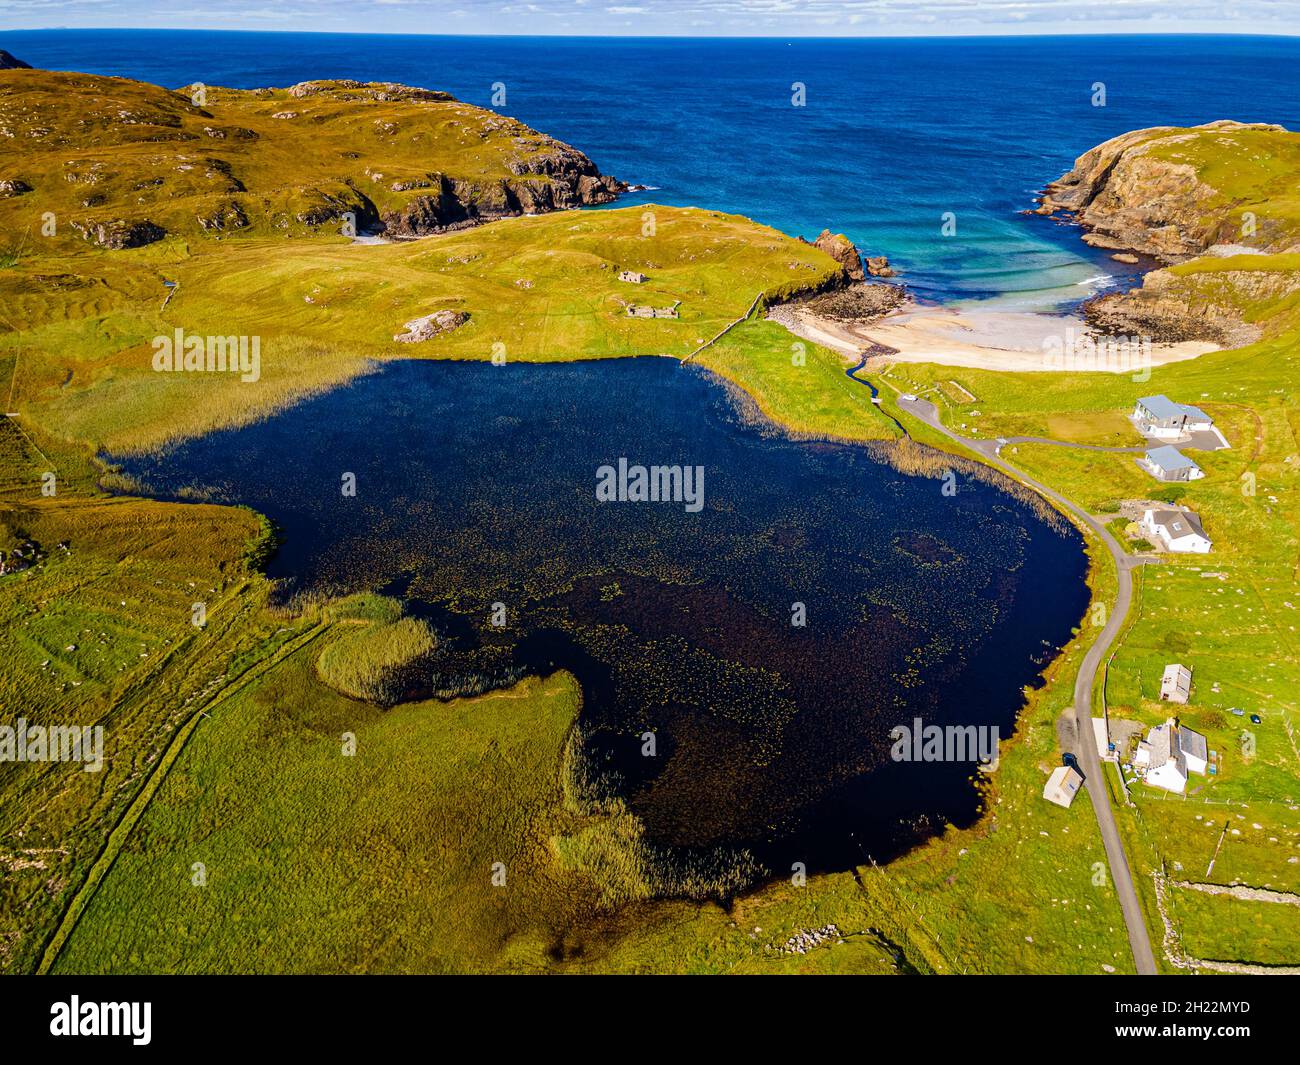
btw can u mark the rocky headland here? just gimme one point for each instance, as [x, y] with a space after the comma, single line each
[127, 163]
[1156, 192]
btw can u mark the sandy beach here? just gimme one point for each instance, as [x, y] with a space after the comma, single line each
[1022, 341]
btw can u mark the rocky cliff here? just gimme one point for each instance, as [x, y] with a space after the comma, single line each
[121, 162]
[551, 181]
[1217, 197]
[1150, 191]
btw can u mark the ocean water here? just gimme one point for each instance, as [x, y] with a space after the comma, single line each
[893, 133]
[475, 484]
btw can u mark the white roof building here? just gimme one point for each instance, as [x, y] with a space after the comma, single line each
[1175, 529]
[1176, 684]
[1062, 785]
[1168, 754]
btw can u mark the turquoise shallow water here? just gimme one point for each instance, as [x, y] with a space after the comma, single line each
[894, 132]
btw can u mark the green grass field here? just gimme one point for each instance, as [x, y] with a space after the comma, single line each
[226, 746]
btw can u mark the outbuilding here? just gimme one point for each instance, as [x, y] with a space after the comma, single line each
[1062, 785]
[1175, 684]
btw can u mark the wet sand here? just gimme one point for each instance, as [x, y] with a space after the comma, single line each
[1022, 341]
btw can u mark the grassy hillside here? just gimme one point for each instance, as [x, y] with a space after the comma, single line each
[536, 289]
[1246, 172]
[109, 157]
[225, 742]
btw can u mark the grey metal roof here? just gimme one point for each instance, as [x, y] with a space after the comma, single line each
[1170, 458]
[1192, 743]
[1162, 406]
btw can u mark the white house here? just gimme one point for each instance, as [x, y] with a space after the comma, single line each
[1168, 754]
[1062, 785]
[1167, 463]
[1162, 418]
[1176, 684]
[633, 277]
[1175, 529]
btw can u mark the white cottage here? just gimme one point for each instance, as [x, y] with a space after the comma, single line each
[1175, 529]
[1168, 754]
[1167, 463]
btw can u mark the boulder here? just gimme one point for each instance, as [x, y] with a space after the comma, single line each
[843, 251]
[119, 233]
[419, 330]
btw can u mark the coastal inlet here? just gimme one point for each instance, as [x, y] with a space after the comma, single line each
[475, 485]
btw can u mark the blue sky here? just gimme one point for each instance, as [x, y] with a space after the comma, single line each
[782, 18]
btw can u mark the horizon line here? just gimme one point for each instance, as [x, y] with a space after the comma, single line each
[1001, 32]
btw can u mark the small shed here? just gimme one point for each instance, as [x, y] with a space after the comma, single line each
[1062, 785]
[633, 277]
[1176, 684]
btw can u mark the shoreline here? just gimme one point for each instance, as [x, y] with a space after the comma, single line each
[1007, 341]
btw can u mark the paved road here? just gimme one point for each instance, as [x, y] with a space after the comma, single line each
[1089, 760]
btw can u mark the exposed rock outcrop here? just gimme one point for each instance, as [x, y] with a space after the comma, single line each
[1146, 192]
[119, 233]
[1208, 306]
[551, 182]
[878, 266]
[863, 301]
[382, 91]
[1128, 198]
[9, 61]
[843, 251]
[419, 330]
